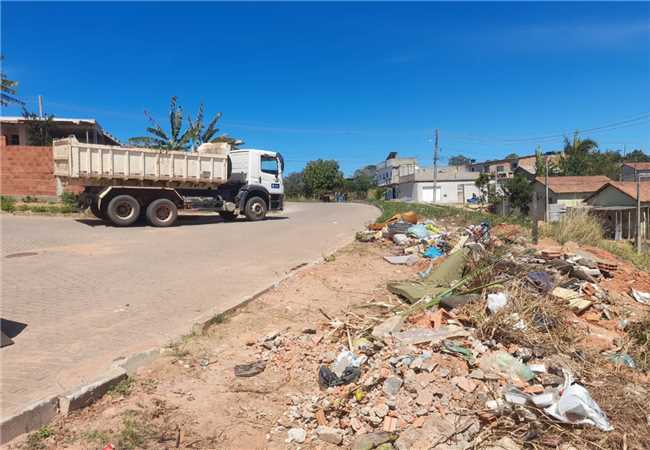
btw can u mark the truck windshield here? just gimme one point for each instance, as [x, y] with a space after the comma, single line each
[269, 165]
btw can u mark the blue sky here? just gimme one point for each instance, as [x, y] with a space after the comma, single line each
[347, 81]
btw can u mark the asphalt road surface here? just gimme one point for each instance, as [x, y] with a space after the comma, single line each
[91, 293]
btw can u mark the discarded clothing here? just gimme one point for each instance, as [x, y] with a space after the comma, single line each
[541, 280]
[418, 231]
[327, 378]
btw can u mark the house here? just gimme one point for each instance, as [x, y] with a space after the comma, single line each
[616, 205]
[454, 185]
[563, 192]
[390, 171]
[506, 168]
[630, 171]
[86, 130]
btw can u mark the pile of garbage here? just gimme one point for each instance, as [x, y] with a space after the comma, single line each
[496, 344]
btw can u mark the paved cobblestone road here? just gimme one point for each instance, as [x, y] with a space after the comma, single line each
[90, 293]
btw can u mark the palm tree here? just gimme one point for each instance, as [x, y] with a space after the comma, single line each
[8, 90]
[176, 139]
[203, 134]
[576, 155]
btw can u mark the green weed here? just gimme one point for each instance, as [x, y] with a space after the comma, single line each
[35, 439]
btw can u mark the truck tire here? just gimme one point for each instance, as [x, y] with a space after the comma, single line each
[123, 210]
[94, 208]
[228, 216]
[255, 209]
[162, 213]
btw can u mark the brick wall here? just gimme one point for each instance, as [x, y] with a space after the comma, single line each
[26, 170]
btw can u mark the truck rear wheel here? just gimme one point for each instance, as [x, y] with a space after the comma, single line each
[255, 209]
[162, 213]
[123, 210]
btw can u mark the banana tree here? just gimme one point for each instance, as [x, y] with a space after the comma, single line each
[8, 90]
[208, 134]
[175, 139]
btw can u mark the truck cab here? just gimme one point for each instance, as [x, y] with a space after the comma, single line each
[260, 173]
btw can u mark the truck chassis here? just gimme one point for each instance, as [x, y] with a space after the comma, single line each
[124, 205]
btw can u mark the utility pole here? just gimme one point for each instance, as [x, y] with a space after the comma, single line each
[638, 213]
[435, 166]
[546, 212]
[40, 107]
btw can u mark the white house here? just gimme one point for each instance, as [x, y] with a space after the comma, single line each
[390, 171]
[454, 185]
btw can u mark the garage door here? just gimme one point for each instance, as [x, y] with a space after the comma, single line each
[427, 194]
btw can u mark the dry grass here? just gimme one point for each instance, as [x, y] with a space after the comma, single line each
[577, 226]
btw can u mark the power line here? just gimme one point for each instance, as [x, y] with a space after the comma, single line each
[633, 121]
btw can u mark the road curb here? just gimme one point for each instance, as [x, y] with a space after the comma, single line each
[43, 412]
[31, 418]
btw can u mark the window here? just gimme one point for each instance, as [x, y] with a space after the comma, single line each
[14, 140]
[269, 165]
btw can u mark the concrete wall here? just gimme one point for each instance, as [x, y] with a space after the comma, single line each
[422, 191]
[27, 170]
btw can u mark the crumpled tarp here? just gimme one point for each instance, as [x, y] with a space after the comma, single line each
[451, 269]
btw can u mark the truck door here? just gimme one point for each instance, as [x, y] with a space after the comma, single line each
[271, 174]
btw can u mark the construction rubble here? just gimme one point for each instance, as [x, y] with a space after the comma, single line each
[496, 344]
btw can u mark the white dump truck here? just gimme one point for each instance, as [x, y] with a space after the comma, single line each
[122, 184]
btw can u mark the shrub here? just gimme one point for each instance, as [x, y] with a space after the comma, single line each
[7, 203]
[576, 225]
[29, 199]
[69, 199]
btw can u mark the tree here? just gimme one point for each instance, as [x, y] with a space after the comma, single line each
[483, 183]
[637, 156]
[512, 156]
[322, 176]
[605, 163]
[369, 170]
[540, 164]
[176, 139]
[202, 134]
[519, 190]
[576, 155]
[8, 90]
[459, 160]
[294, 185]
[39, 129]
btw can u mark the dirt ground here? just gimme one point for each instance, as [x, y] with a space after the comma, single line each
[192, 397]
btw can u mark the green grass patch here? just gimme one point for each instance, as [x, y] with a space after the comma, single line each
[461, 215]
[122, 388]
[7, 204]
[35, 439]
[134, 433]
[100, 438]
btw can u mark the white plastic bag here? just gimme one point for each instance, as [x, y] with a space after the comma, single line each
[495, 302]
[576, 406]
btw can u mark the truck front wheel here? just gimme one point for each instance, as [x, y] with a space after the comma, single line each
[162, 213]
[123, 210]
[255, 209]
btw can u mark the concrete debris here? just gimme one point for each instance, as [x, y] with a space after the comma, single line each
[430, 369]
[296, 435]
[330, 434]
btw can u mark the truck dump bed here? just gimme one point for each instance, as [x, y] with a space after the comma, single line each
[94, 164]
